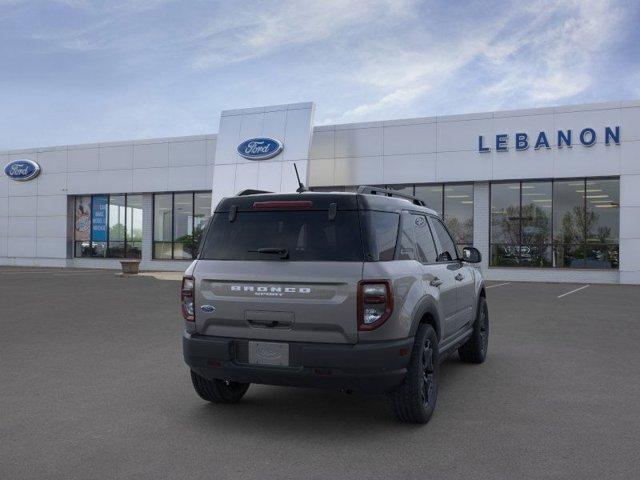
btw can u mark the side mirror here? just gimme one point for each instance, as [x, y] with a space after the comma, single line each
[471, 255]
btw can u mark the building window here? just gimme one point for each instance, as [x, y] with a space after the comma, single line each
[521, 224]
[453, 202]
[178, 223]
[568, 223]
[108, 226]
[457, 212]
[431, 195]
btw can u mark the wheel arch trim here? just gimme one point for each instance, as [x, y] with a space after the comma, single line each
[427, 306]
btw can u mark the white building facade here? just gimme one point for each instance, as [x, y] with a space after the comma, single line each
[549, 194]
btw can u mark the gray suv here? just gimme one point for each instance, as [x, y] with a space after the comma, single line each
[360, 291]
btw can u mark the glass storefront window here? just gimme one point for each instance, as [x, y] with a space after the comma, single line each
[431, 195]
[201, 212]
[402, 189]
[134, 226]
[183, 226]
[117, 219]
[162, 225]
[505, 224]
[108, 226]
[453, 202]
[564, 224]
[569, 217]
[603, 223]
[458, 212]
[179, 221]
[536, 207]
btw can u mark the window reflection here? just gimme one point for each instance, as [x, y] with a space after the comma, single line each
[566, 223]
[179, 222]
[117, 218]
[134, 226]
[536, 220]
[431, 195]
[603, 223]
[183, 225]
[162, 225]
[458, 212]
[505, 224]
[108, 226]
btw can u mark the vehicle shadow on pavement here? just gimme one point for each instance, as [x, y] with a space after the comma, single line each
[318, 412]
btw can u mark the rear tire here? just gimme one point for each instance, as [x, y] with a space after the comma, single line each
[218, 391]
[475, 350]
[415, 400]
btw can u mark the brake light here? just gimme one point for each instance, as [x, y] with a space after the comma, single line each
[375, 303]
[186, 298]
[285, 204]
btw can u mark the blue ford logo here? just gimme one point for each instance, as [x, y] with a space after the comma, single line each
[260, 148]
[22, 170]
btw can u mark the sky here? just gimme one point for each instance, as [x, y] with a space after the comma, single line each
[78, 71]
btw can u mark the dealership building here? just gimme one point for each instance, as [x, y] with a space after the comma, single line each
[549, 194]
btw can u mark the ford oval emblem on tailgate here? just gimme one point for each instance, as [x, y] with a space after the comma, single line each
[207, 308]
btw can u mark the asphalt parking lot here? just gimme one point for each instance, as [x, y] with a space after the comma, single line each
[92, 385]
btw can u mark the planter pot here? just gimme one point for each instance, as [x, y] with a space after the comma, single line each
[130, 267]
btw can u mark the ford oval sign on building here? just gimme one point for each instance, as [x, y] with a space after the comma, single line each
[260, 148]
[22, 170]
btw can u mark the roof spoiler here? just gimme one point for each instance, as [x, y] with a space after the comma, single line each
[250, 191]
[367, 190]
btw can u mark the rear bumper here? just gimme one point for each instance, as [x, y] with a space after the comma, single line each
[375, 367]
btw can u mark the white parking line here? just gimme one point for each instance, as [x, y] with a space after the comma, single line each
[498, 284]
[573, 291]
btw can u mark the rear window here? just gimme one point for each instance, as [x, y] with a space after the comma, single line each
[304, 235]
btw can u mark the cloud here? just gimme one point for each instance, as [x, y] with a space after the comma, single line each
[542, 52]
[554, 57]
[126, 69]
[236, 37]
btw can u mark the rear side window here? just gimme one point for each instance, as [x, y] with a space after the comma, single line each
[406, 238]
[447, 248]
[424, 241]
[381, 233]
[305, 235]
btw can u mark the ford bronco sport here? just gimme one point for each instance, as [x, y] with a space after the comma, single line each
[357, 291]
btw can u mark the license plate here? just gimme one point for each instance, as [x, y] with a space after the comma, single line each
[269, 353]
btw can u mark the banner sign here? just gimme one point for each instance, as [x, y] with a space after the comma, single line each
[82, 219]
[99, 218]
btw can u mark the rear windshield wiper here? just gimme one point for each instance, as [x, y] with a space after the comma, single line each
[283, 252]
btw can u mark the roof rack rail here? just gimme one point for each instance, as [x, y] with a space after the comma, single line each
[250, 191]
[368, 190]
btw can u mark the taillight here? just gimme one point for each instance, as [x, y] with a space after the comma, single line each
[186, 298]
[375, 303]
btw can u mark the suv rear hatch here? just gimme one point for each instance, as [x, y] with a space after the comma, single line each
[281, 267]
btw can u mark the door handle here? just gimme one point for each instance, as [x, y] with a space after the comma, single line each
[436, 282]
[459, 277]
